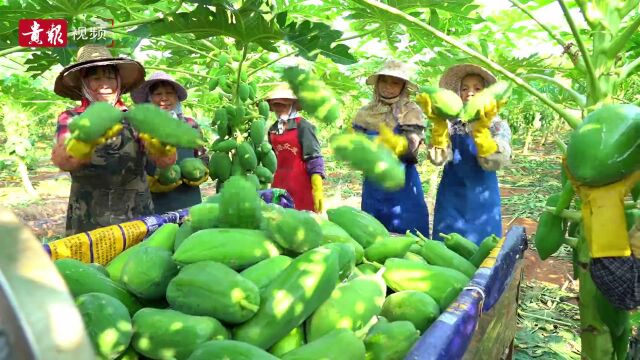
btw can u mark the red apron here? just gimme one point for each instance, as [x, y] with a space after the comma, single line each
[291, 173]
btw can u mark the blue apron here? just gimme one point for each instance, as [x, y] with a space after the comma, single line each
[399, 211]
[468, 199]
[183, 196]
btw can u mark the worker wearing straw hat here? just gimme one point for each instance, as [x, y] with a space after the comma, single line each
[163, 91]
[108, 182]
[300, 168]
[398, 123]
[468, 199]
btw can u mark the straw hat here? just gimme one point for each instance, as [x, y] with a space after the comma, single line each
[452, 78]
[396, 69]
[69, 81]
[281, 91]
[141, 94]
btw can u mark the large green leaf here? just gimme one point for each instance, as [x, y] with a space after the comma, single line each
[203, 22]
[313, 38]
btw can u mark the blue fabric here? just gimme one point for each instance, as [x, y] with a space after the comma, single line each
[468, 199]
[401, 210]
[183, 196]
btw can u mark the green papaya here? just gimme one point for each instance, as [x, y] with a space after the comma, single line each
[436, 253]
[390, 340]
[293, 230]
[168, 334]
[236, 248]
[441, 283]
[257, 131]
[417, 307]
[220, 166]
[193, 169]
[290, 342]
[460, 245]
[262, 273]
[204, 216]
[229, 349]
[212, 84]
[183, 232]
[213, 289]
[263, 174]
[351, 306]
[224, 145]
[444, 103]
[605, 147]
[247, 156]
[550, 233]
[148, 273]
[82, 279]
[263, 109]
[108, 323]
[239, 204]
[243, 91]
[270, 161]
[393, 246]
[168, 175]
[363, 228]
[150, 119]
[94, 121]
[337, 344]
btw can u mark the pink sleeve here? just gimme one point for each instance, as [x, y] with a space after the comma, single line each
[62, 129]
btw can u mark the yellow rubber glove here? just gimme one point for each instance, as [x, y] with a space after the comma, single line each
[82, 150]
[316, 191]
[156, 187]
[198, 182]
[603, 217]
[155, 148]
[440, 129]
[481, 133]
[397, 143]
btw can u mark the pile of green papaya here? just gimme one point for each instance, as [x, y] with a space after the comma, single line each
[242, 279]
[242, 148]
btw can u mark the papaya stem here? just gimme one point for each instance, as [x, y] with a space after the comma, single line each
[375, 264]
[245, 48]
[572, 215]
[571, 242]
[421, 236]
[247, 305]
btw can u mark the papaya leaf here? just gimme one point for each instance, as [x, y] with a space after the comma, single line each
[313, 38]
[244, 26]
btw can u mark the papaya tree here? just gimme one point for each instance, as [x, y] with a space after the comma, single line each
[601, 57]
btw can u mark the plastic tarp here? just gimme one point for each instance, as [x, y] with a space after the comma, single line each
[450, 336]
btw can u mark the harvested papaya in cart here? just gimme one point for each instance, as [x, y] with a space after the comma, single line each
[605, 148]
[158, 124]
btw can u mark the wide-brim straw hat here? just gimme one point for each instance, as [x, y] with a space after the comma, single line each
[396, 69]
[281, 91]
[141, 94]
[452, 78]
[69, 81]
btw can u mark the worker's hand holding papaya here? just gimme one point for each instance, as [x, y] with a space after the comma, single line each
[156, 187]
[397, 143]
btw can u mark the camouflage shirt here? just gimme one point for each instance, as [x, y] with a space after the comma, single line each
[113, 187]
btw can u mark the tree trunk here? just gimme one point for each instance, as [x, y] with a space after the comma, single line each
[24, 174]
[527, 141]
